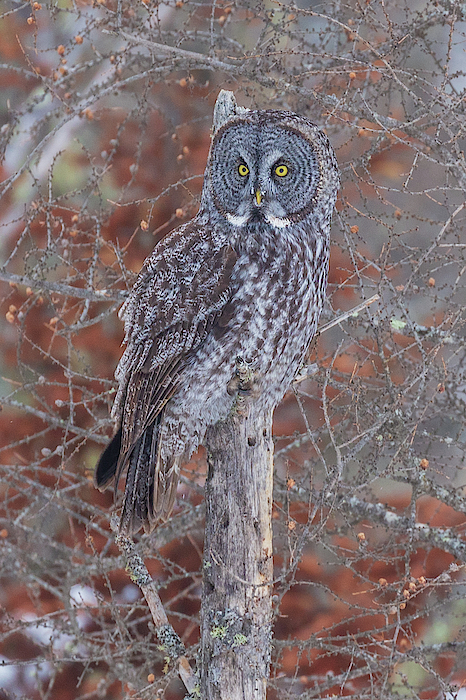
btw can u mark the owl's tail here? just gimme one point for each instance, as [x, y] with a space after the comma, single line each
[150, 484]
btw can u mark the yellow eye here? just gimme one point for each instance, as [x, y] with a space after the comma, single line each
[243, 170]
[281, 170]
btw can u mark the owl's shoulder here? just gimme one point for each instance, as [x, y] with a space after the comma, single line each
[187, 274]
[178, 255]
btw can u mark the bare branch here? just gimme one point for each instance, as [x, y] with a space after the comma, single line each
[65, 289]
[170, 641]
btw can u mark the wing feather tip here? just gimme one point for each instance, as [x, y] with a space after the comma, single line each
[107, 465]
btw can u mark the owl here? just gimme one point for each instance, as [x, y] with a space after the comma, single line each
[246, 277]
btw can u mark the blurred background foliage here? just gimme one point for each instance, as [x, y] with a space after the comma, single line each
[105, 112]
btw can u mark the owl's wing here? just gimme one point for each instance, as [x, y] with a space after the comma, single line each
[180, 292]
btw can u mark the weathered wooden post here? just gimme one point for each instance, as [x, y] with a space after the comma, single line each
[238, 565]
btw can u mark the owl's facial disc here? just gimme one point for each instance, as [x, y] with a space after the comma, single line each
[267, 173]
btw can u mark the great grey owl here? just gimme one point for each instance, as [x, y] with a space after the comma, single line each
[245, 278]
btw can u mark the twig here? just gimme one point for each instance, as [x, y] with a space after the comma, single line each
[432, 247]
[356, 509]
[352, 312]
[170, 641]
[176, 52]
[66, 289]
[440, 537]
[309, 370]
[51, 419]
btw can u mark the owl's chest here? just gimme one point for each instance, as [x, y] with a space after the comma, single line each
[271, 315]
[277, 283]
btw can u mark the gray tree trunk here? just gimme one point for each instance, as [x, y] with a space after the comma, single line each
[238, 565]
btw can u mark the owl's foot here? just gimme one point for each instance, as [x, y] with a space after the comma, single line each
[243, 385]
[243, 382]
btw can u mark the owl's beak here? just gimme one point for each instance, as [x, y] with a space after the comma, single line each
[259, 197]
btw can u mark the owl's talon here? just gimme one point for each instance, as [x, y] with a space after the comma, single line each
[237, 386]
[243, 383]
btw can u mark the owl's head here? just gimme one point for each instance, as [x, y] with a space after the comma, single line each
[273, 166]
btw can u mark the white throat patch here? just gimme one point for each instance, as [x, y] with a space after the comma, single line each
[237, 220]
[278, 221]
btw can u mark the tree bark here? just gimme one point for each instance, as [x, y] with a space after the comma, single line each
[238, 564]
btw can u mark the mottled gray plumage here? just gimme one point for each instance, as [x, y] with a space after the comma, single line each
[246, 277]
